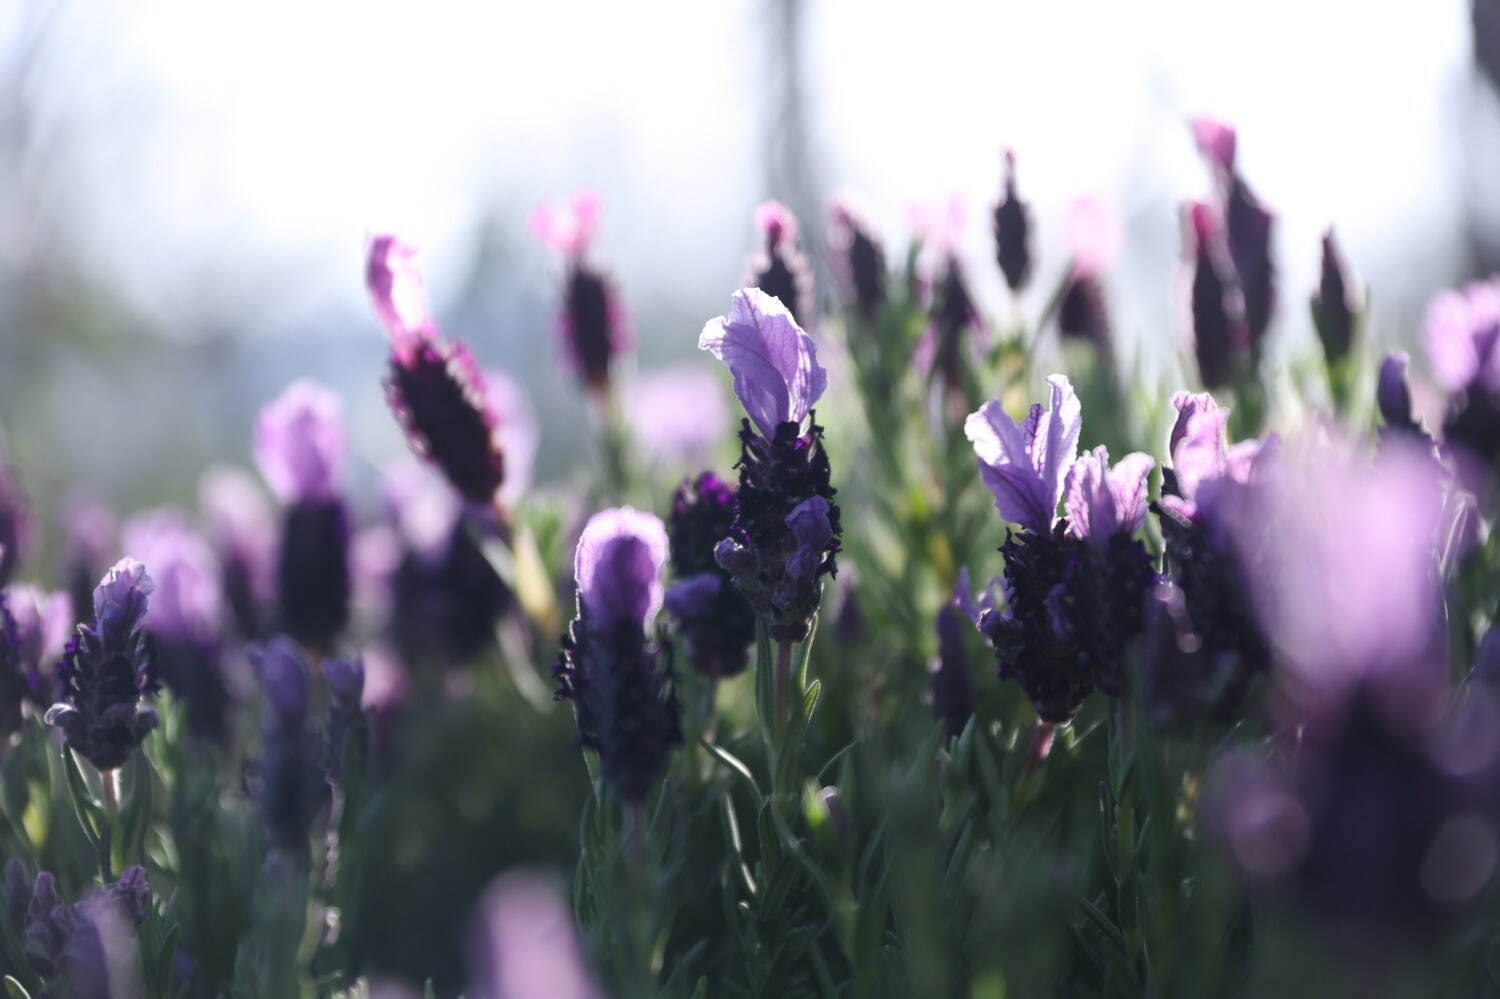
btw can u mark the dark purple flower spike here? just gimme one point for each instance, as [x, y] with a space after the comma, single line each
[715, 621]
[858, 260]
[953, 695]
[299, 446]
[434, 388]
[290, 777]
[106, 675]
[592, 323]
[1092, 234]
[780, 269]
[785, 534]
[1463, 345]
[1336, 305]
[1219, 335]
[1013, 231]
[242, 530]
[623, 698]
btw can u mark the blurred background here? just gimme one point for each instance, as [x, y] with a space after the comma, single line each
[187, 188]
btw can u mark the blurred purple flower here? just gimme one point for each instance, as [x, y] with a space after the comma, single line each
[678, 414]
[1393, 392]
[106, 673]
[857, 259]
[1336, 303]
[1092, 233]
[1216, 141]
[289, 780]
[780, 269]
[299, 443]
[775, 365]
[525, 945]
[346, 719]
[953, 696]
[15, 518]
[713, 618]
[517, 431]
[90, 546]
[1013, 231]
[1024, 464]
[1220, 338]
[42, 624]
[1208, 475]
[399, 293]
[1103, 501]
[1462, 335]
[592, 324]
[242, 531]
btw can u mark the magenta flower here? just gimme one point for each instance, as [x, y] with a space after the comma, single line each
[1024, 464]
[775, 365]
[1104, 501]
[399, 294]
[1093, 238]
[299, 443]
[1462, 333]
[1216, 141]
[592, 324]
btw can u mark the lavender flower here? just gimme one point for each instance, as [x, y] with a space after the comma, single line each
[42, 622]
[87, 948]
[90, 546]
[1336, 304]
[953, 696]
[780, 269]
[242, 531]
[1013, 231]
[954, 319]
[299, 445]
[1248, 230]
[678, 414]
[1075, 588]
[445, 595]
[525, 945]
[624, 701]
[15, 518]
[712, 616]
[289, 782]
[1463, 345]
[785, 534]
[1393, 393]
[106, 673]
[1220, 338]
[592, 324]
[1093, 239]
[186, 617]
[858, 260]
[434, 387]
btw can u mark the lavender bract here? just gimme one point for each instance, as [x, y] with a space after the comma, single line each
[106, 673]
[299, 446]
[434, 388]
[714, 619]
[1013, 231]
[780, 269]
[1248, 230]
[240, 527]
[525, 944]
[785, 534]
[1023, 465]
[624, 701]
[1220, 338]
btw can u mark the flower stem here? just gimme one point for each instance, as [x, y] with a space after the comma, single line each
[783, 680]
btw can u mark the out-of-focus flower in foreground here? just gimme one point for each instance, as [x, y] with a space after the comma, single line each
[525, 945]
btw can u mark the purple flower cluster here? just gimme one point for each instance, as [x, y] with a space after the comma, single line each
[713, 618]
[623, 697]
[785, 532]
[592, 323]
[84, 948]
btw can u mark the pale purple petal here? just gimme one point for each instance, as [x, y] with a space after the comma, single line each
[299, 442]
[618, 564]
[423, 506]
[1216, 141]
[1200, 453]
[120, 598]
[527, 947]
[775, 364]
[188, 601]
[1450, 346]
[1187, 405]
[809, 523]
[1056, 442]
[678, 414]
[398, 292]
[1005, 466]
[43, 622]
[1102, 501]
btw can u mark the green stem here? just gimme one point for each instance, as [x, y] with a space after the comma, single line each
[783, 681]
[110, 780]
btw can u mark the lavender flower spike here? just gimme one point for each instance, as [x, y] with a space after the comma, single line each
[106, 672]
[775, 364]
[1393, 394]
[624, 702]
[781, 270]
[299, 442]
[1103, 501]
[1024, 464]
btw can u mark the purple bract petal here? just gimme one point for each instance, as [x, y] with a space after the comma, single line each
[1216, 141]
[120, 598]
[1463, 336]
[1024, 464]
[398, 292]
[188, 602]
[299, 442]
[618, 567]
[1101, 501]
[694, 595]
[775, 364]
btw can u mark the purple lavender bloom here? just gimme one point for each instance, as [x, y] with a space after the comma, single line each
[15, 518]
[289, 779]
[90, 546]
[1074, 589]
[953, 696]
[1093, 238]
[1102, 501]
[1248, 230]
[42, 623]
[714, 619]
[624, 701]
[858, 260]
[1220, 338]
[106, 673]
[445, 596]
[1336, 304]
[1393, 392]
[434, 388]
[516, 429]
[954, 320]
[1024, 464]
[1463, 345]
[593, 325]
[780, 269]
[299, 445]
[525, 945]
[87, 948]
[1013, 231]
[678, 414]
[186, 618]
[242, 531]
[783, 467]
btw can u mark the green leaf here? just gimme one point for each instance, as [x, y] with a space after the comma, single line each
[15, 990]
